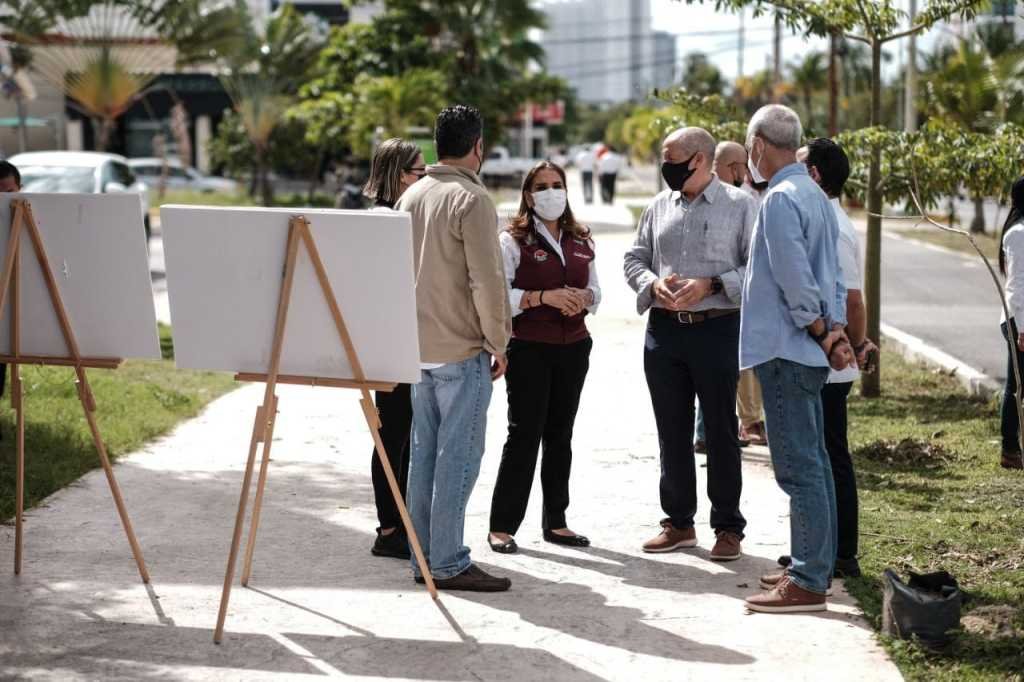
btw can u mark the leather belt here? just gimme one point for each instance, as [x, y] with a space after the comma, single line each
[688, 317]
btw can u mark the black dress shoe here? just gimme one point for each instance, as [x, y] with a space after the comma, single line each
[567, 540]
[508, 547]
[394, 545]
[847, 568]
[473, 579]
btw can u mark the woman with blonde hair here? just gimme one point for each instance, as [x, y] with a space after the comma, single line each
[396, 165]
[552, 281]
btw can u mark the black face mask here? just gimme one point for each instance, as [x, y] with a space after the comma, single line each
[676, 174]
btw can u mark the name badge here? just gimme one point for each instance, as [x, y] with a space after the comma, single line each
[540, 255]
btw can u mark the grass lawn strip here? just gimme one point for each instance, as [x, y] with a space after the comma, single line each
[932, 495]
[136, 403]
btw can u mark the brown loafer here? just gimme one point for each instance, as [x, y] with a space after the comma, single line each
[1011, 460]
[755, 433]
[473, 579]
[727, 547]
[671, 538]
[787, 597]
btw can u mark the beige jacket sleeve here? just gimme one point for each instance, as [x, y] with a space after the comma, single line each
[479, 225]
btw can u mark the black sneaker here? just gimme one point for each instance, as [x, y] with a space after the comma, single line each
[394, 545]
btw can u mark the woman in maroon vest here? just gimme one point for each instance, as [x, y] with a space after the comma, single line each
[549, 264]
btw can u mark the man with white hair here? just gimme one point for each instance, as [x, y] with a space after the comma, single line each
[794, 312]
[687, 266]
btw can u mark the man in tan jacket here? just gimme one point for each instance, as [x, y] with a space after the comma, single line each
[465, 321]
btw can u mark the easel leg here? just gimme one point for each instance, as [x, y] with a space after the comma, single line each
[19, 493]
[257, 504]
[373, 422]
[258, 429]
[84, 394]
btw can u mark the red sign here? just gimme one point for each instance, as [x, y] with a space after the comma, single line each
[548, 114]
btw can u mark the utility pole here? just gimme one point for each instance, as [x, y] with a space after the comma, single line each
[833, 84]
[910, 93]
[777, 61]
[741, 45]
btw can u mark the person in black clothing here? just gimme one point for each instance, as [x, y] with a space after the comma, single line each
[10, 181]
[549, 266]
[397, 164]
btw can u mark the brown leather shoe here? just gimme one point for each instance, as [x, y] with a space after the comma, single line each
[756, 434]
[769, 580]
[787, 597]
[671, 538]
[1011, 460]
[473, 579]
[727, 547]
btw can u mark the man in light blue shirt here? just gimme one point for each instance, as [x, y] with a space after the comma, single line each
[791, 330]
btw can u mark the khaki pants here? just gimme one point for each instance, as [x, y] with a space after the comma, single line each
[748, 398]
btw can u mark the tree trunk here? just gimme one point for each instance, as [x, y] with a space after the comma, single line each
[978, 222]
[871, 383]
[833, 85]
[19, 100]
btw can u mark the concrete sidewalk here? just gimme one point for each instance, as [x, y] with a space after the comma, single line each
[322, 606]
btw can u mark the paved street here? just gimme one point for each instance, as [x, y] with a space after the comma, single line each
[322, 606]
[944, 298]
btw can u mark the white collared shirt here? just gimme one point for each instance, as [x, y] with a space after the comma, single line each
[510, 253]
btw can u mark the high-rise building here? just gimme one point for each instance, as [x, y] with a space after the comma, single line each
[606, 49]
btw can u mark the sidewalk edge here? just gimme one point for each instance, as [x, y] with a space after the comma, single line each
[975, 382]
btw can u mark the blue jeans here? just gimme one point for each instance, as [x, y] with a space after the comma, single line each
[796, 439]
[449, 416]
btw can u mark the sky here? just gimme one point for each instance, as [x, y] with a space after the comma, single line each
[675, 16]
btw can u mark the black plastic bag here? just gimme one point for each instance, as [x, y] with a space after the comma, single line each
[926, 607]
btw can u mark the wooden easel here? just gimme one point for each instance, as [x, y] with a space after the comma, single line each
[22, 220]
[266, 414]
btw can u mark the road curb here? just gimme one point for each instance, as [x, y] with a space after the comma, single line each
[975, 382]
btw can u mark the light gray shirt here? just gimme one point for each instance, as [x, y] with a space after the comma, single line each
[708, 237]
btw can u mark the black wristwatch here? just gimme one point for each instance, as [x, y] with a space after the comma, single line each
[716, 285]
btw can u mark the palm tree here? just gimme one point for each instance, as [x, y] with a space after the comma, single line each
[391, 105]
[103, 54]
[264, 74]
[809, 76]
[977, 90]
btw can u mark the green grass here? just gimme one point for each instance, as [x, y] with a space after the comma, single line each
[940, 501]
[637, 211]
[136, 403]
[222, 199]
[989, 244]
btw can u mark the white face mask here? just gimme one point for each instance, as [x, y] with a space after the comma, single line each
[755, 174]
[549, 204]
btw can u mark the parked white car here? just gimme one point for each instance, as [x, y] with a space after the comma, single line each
[179, 176]
[500, 167]
[85, 172]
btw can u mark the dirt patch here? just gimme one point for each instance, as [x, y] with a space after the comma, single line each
[999, 621]
[906, 452]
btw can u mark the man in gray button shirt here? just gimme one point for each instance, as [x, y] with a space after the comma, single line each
[687, 267]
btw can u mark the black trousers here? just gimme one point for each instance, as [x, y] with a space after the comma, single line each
[1010, 425]
[833, 406]
[544, 382]
[395, 409]
[588, 186]
[683, 362]
[607, 181]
